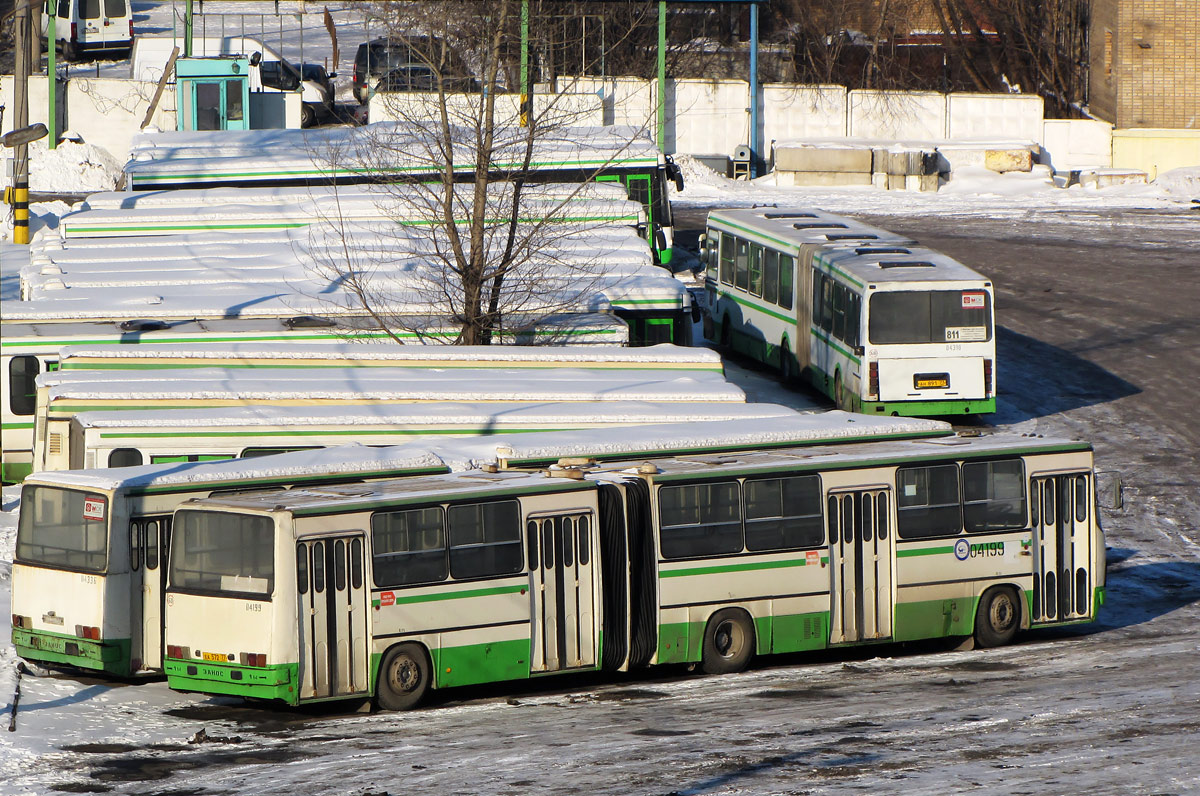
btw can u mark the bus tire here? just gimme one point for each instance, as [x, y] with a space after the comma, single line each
[403, 677]
[726, 333]
[838, 400]
[997, 618]
[728, 642]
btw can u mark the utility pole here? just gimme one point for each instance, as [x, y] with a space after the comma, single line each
[21, 19]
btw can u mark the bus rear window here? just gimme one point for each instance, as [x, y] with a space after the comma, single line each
[62, 528]
[223, 553]
[940, 316]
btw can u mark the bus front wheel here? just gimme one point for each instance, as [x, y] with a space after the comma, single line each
[997, 618]
[728, 642]
[403, 678]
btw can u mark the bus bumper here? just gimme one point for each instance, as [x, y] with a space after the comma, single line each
[110, 655]
[205, 677]
[928, 408]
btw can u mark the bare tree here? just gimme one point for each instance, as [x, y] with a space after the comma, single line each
[497, 250]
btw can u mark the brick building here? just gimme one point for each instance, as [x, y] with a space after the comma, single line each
[1145, 63]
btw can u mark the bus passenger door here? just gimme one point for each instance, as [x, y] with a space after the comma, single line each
[1062, 586]
[148, 536]
[562, 586]
[860, 557]
[332, 596]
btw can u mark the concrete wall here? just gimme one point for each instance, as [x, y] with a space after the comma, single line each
[1076, 143]
[794, 111]
[1155, 151]
[707, 116]
[897, 114]
[569, 109]
[108, 112]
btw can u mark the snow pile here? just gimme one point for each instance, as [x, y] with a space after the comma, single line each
[43, 215]
[1182, 182]
[699, 180]
[980, 181]
[72, 168]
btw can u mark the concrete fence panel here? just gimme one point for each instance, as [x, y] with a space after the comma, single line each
[897, 114]
[793, 111]
[708, 116]
[1003, 116]
[1076, 143]
[624, 100]
[108, 112]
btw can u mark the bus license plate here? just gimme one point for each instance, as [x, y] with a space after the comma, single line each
[214, 656]
[931, 381]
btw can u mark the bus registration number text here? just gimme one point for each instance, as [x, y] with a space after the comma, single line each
[966, 333]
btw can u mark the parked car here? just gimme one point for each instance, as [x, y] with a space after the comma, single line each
[376, 59]
[419, 77]
[311, 79]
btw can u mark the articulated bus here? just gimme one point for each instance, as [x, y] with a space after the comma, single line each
[873, 321]
[92, 544]
[394, 152]
[388, 589]
[64, 394]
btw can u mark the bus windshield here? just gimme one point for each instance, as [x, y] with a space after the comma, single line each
[62, 528]
[222, 553]
[938, 316]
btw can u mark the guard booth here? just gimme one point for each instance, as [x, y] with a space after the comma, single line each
[212, 93]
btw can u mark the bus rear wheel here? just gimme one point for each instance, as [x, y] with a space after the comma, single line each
[787, 364]
[728, 642]
[997, 618]
[403, 678]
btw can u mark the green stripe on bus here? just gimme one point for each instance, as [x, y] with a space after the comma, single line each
[138, 363]
[474, 431]
[15, 426]
[453, 595]
[752, 305]
[747, 567]
[923, 551]
[284, 480]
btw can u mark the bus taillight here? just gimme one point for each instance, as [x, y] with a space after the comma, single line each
[92, 633]
[176, 651]
[22, 622]
[873, 380]
[253, 659]
[987, 377]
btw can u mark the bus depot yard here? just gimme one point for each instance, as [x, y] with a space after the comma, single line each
[1094, 341]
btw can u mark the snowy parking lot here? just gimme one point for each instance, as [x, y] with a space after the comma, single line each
[1098, 339]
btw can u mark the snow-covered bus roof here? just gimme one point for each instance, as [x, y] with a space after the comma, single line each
[363, 154]
[911, 264]
[383, 384]
[792, 228]
[219, 209]
[513, 449]
[493, 416]
[664, 356]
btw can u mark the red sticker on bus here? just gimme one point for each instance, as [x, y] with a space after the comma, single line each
[93, 509]
[387, 598]
[812, 558]
[974, 301]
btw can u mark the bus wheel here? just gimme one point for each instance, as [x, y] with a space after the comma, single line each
[728, 642]
[997, 618]
[838, 400]
[726, 334]
[403, 678]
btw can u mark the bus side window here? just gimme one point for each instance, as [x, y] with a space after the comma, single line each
[741, 276]
[839, 311]
[853, 317]
[786, 269]
[151, 539]
[770, 291]
[727, 244]
[826, 303]
[125, 457]
[64, 9]
[819, 300]
[756, 270]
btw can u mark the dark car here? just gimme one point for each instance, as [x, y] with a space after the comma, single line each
[377, 59]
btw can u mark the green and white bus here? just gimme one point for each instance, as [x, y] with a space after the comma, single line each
[386, 590]
[875, 322]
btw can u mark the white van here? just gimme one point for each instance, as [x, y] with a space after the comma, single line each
[89, 26]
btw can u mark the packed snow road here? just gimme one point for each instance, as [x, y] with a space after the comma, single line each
[1098, 340]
